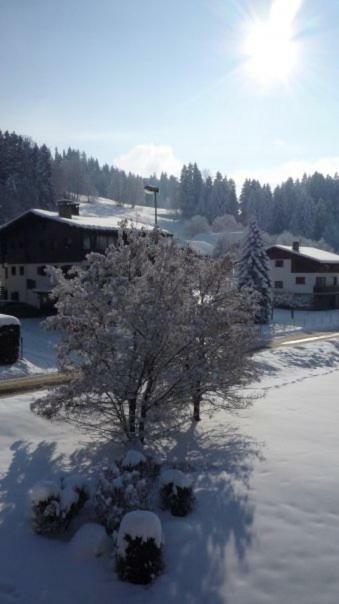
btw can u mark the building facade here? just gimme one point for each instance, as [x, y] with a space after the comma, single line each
[304, 277]
[40, 238]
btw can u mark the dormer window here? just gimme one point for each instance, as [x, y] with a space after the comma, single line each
[279, 263]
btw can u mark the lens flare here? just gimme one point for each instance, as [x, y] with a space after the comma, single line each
[270, 46]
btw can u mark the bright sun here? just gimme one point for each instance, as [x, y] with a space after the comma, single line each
[270, 45]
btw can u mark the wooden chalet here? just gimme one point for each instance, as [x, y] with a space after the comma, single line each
[39, 238]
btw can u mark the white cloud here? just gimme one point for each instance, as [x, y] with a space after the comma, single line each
[149, 159]
[293, 169]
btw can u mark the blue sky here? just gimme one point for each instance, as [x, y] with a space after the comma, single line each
[151, 84]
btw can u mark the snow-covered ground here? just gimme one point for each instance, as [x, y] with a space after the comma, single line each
[265, 528]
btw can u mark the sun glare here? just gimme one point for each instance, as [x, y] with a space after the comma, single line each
[270, 46]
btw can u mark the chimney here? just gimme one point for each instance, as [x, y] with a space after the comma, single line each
[296, 246]
[67, 208]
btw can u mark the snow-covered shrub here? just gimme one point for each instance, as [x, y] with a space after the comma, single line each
[145, 464]
[176, 492]
[89, 541]
[55, 503]
[227, 222]
[119, 491]
[196, 225]
[139, 555]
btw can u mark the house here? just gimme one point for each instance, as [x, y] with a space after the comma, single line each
[39, 238]
[304, 277]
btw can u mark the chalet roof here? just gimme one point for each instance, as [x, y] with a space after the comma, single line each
[312, 253]
[86, 222]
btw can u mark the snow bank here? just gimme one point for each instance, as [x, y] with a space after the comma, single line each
[133, 458]
[177, 478]
[89, 541]
[8, 320]
[143, 524]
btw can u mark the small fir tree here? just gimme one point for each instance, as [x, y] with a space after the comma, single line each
[254, 273]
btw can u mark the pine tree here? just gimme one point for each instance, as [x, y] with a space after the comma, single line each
[254, 273]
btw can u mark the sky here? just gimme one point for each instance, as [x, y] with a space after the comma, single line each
[246, 87]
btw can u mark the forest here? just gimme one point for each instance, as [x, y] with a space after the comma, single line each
[34, 176]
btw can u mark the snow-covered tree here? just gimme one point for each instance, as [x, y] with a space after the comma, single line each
[147, 327]
[254, 272]
[219, 355]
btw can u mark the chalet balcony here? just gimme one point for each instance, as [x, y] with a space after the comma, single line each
[326, 289]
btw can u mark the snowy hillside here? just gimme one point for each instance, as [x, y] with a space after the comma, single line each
[168, 220]
[265, 525]
[141, 215]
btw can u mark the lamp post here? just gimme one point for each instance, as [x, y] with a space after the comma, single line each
[149, 190]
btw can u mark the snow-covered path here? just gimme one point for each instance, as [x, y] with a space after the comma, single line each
[266, 527]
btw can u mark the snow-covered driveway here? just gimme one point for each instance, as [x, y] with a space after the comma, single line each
[266, 526]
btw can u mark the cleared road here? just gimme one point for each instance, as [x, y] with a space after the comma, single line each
[48, 380]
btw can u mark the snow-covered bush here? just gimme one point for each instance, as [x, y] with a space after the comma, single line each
[145, 464]
[196, 225]
[120, 490]
[176, 492]
[227, 222]
[55, 503]
[89, 541]
[139, 555]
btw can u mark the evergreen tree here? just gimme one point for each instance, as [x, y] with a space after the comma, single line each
[254, 272]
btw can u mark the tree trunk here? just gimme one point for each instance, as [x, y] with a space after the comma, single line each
[142, 423]
[196, 407]
[143, 411]
[132, 406]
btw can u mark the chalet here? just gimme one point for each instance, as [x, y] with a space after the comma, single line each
[39, 238]
[304, 277]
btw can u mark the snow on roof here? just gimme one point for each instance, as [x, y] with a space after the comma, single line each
[108, 222]
[92, 222]
[312, 253]
[8, 320]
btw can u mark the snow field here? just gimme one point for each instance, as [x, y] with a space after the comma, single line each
[266, 523]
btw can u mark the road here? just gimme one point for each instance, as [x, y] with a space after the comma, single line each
[47, 380]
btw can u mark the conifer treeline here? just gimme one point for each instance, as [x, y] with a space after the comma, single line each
[308, 207]
[30, 176]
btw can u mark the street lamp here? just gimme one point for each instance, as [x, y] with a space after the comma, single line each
[149, 190]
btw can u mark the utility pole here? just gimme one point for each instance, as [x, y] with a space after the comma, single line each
[149, 190]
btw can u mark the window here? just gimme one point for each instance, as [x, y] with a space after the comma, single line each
[15, 296]
[6, 272]
[41, 270]
[86, 243]
[300, 280]
[279, 263]
[278, 285]
[30, 284]
[67, 241]
[22, 270]
[13, 270]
